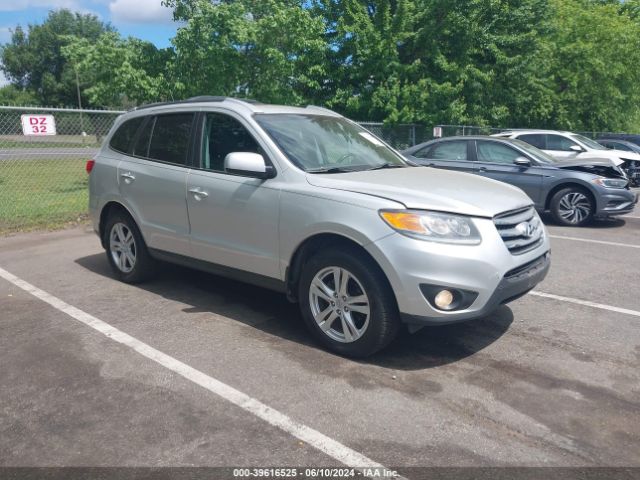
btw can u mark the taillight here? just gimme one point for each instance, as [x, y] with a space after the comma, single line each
[90, 164]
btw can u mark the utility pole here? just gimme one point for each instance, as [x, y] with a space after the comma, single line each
[82, 132]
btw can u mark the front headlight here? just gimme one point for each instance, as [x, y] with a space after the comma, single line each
[610, 182]
[433, 226]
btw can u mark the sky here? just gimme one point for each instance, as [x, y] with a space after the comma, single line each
[145, 19]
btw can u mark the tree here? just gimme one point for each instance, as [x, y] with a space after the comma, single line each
[595, 51]
[271, 50]
[33, 60]
[12, 95]
[117, 72]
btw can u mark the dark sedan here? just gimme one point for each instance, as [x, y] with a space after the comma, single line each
[573, 191]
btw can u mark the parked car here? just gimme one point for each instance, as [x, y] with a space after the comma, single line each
[629, 137]
[571, 145]
[308, 203]
[573, 190]
[633, 170]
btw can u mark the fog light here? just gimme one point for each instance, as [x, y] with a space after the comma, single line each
[443, 299]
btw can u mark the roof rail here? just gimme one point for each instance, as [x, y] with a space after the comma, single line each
[198, 99]
[322, 109]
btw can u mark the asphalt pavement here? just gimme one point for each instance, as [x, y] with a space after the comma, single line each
[544, 381]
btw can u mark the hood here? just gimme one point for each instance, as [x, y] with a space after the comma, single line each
[597, 166]
[615, 156]
[425, 188]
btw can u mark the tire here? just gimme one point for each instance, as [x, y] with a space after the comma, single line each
[130, 263]
[572, 207]
[366, 289]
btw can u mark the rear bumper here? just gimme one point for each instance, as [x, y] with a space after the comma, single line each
[514, 284]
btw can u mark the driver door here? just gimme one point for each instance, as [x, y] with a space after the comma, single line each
[234, 219]
[497, 160]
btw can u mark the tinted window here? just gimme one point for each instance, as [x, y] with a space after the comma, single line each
[617, 146]
[170, 138]
[556, 142]
[223, 135]
[536, 139]
[456, 150]
[121, 140]
[141, 148]
[496, 152]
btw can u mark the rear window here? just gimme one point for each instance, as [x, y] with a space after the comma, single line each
[170, 138]
[121, 140]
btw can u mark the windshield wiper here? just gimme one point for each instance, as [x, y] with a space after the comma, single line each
[387, 165]
[332, 170]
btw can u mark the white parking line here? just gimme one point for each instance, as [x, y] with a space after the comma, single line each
[629, 216]
[333, 448]
[586, 303]
[602, 242]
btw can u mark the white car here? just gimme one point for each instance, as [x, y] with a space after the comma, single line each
[567, 145]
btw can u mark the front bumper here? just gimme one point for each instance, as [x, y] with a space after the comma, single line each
[616, 203]
[488, 269]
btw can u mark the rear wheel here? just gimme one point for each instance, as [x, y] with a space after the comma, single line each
[347, 303]
[126, 251]
[572, 206]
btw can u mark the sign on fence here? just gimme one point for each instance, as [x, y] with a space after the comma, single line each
[38, 125]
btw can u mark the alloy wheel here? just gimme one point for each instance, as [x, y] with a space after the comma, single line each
[122, 245]
[339, 304]
[574, 207]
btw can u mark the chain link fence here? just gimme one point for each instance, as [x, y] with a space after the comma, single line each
[43, 182]
[463, 130]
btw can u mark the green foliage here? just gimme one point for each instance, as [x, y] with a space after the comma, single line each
[272, 50]
[522, 63]
[33, 60]
[117, 72]
[595, 48]
[12, 95]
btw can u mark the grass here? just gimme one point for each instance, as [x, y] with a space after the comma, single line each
[42, 194]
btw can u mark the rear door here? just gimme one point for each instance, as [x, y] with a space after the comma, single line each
[153, 177]
[497, 160]
[447, 154]
[559, 146]
[234, 219]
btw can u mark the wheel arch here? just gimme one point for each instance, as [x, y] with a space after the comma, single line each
[315, 243]
[108, 209]
[572, 184]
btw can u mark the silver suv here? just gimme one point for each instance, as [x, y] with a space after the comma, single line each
[308, 203]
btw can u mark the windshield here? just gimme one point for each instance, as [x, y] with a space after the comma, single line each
[322, 144]
[536, 153]
[588, 142]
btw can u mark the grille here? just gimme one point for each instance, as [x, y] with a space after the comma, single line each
[520, 229]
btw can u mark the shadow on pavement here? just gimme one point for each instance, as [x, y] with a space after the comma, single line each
[272, 313]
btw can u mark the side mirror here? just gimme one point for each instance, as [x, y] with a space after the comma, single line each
[576, 148]
[248, 164]
[522, 162]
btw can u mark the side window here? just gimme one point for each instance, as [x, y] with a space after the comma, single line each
[557, 142]
[496, 152]
[454, 150]
[141, 148]
[222, 135]
[121, 139]
[170, 138]
[535, 139]
[618, 146]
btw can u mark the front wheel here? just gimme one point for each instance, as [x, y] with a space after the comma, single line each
[572, 207]
[347, 303]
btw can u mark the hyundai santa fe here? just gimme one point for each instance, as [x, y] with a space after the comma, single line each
[308, 203]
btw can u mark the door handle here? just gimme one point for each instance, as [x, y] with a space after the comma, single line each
[198, 193]
[128, 177]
